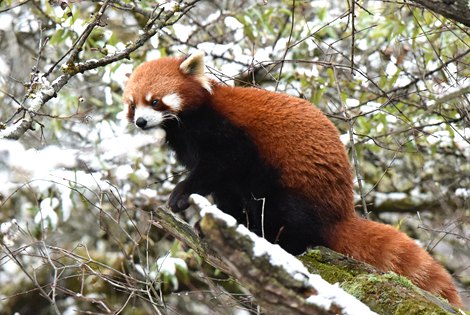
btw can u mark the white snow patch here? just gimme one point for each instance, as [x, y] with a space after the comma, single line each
[462, 192]
[352, 102]
[200, 201]
[241, 312]
[123, 172]
[391, 69]
[121, 144]
[370, 107]
[281, 44]
[263, 54]
[168, 5]
[169, 264]
[232, 23]
[403, 80]
[277, 255]
[182, 32]
[327, 294]
[208, 208]
[120, 74]
[153, 54]
[6, 22]
[76, 24]
[9, 232]
[142, 172]
[155, 42]
[108, 95]
[4, 71]
[345, 138]
[148, 193]
[27, 164]
[375, 60]
[379, 127]
[363, 44]
[391, 119]
[381, 198]
[47, 213]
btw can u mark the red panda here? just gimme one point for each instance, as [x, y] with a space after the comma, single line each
[272, 161]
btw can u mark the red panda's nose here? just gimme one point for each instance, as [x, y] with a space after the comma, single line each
[141, 122]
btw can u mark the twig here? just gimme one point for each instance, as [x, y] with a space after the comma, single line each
[353, 33]
[353, 147]
[42, 90]
[33, 280]
[288, 44]
[14, 6]
[77, 46]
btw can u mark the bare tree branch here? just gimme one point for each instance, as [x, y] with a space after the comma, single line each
[457, 10]
[42, 90]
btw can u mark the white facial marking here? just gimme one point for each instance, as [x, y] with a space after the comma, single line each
[127, 102]
[152, 117]
[148, 97]
[173, 101]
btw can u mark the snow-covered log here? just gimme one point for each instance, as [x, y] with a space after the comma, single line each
[281, 283]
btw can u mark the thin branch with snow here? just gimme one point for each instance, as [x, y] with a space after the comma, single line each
[42, 90]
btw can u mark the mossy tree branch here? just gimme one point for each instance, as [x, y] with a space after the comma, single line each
[227, 247]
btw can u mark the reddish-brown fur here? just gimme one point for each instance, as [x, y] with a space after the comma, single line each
[388, 249]
[317, 165]
[297, 139]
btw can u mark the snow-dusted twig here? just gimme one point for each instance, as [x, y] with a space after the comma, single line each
[42, 90]
[447, 97]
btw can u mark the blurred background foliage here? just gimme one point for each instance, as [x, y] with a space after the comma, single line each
[77, 192]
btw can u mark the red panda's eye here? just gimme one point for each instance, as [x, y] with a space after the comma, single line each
[132, 107]
[154, 102]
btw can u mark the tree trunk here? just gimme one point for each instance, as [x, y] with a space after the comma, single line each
[457, 10]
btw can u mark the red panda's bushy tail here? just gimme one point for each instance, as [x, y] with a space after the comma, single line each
[388, 249]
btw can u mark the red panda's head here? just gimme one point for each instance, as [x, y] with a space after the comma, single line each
[160, 89]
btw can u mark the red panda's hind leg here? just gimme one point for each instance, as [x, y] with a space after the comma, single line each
[294, 222]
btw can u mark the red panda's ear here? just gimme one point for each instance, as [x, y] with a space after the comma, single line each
[194, 66]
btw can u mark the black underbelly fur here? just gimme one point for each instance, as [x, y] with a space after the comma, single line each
[224, 162]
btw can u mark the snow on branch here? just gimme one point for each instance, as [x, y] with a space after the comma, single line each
[284, 284]
[279, 281]
[41, 90]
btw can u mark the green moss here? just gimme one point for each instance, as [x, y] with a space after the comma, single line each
[384, 293]
[313, 260]
[391, 294]
[334, 267]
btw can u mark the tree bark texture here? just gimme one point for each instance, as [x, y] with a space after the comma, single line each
[278, 292]
[457, 10]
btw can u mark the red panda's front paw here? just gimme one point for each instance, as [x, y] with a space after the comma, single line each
[179, 198]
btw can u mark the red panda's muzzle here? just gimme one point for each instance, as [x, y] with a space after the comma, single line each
[141, 123]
